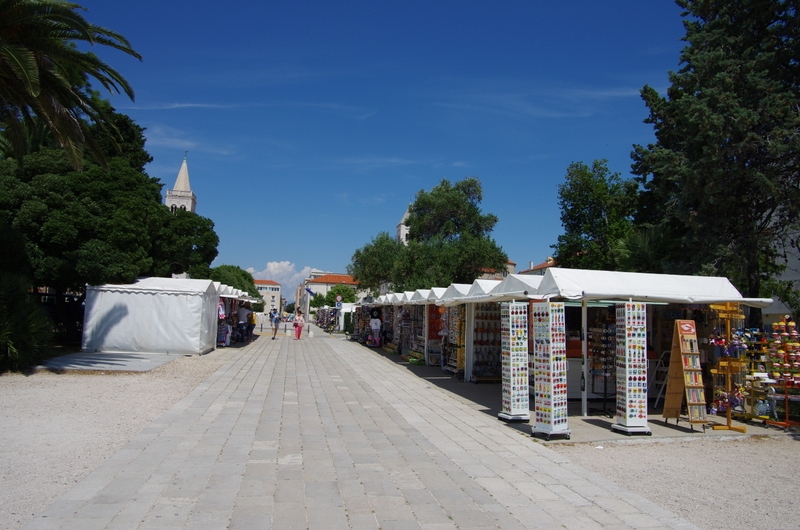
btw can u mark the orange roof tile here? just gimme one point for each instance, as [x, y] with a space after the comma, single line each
[334, 279]
[265, 282]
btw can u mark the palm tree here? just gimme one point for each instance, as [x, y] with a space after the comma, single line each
[44, 75]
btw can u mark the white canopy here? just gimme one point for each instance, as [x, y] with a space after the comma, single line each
[454, 293]
[481, 287]
[153, 315]
[516, 286]
[420, 296]
[436, 294]
[577, 284]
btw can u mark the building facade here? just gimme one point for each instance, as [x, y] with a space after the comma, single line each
[270, 291]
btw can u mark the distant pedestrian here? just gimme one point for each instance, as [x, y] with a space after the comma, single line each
[275, 320]
[298, 325]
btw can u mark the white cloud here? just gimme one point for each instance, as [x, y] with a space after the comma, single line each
[285, 273]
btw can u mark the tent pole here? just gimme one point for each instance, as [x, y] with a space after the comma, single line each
[585, 355]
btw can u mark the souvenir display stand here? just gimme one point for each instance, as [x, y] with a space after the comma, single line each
[388, 328]
[729, 367]
[435, 325]
[685, 378]
[514, 352]
[631, 369]
[784, 367]
[603, 359]
[549, 369]
[486, 343]
[456, 318]
[416, 334]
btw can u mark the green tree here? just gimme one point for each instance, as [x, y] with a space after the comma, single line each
[347, 293]
[448, 226]
[597, 209]
[90, 227]
[373, 264]
[317, 301]
[43, 74]
[723, 174]
[184, 242]
[238, 278]
[449, 241]
[289, 308]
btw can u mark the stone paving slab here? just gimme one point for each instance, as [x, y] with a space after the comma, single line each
[325, 433]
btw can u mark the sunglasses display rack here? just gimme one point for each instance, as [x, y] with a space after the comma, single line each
[416, 333]
[514, 352]
[602, 345]
[549, 369]
[631, 368]
[486, 343]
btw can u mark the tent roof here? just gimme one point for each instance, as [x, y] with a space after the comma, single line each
[436, 293]
[420, 296]
[159, 285]
[453, 293]
[514, 286]
[482, 287]
[576, 284]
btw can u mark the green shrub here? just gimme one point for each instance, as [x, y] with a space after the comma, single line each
[25, 329]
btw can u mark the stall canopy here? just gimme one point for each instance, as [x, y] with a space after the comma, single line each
[436, 294]
[516, 286]
[578, 284]
[453, 294]
[480, 289]
[420, 296]
[153, 315]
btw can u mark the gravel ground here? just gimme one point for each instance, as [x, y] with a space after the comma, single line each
[720, 482]
[56, 428]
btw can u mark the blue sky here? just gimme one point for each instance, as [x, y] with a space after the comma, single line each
[310, 126]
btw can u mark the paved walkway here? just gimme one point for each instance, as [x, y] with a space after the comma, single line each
[324, 433]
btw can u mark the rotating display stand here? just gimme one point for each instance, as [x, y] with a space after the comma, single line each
[514, 353]
[631, 416]
[549, 370]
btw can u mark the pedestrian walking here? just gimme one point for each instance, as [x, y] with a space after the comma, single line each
[298, 325]
[275, 320]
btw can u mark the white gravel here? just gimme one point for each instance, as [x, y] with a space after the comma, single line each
[714, 482]
[56, 428]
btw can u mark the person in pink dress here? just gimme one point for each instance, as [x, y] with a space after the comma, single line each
[298, 325]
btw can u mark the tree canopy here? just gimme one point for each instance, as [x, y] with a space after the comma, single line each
[597, 209]
[100, 225]
[723, 174]
[44, 75]
[449, 241]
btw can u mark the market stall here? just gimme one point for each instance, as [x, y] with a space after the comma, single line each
[152, 315]
[621, 287]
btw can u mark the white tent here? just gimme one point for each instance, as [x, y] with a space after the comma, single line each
[578, 284]
[153, 315]
[480, 289]
[516, 286]
[420, 296]
[436, 294]
[453, 294]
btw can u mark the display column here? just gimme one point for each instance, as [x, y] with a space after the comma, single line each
[550, 370]
[514, 344]
[631, 363]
